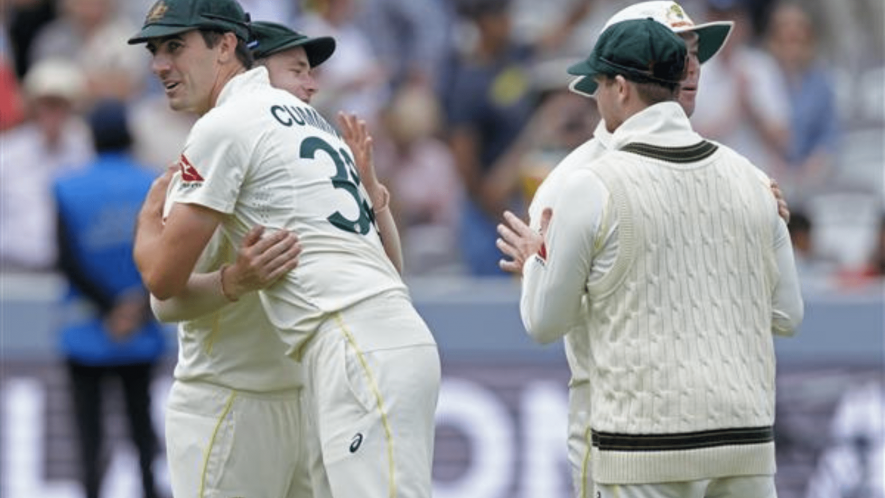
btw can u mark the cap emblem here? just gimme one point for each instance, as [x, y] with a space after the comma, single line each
[676, 17]
[157, 12]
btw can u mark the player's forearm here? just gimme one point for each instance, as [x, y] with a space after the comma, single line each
[547, 314]
[386, 224]
[148, 244]
[787, 306]
[167, 251]
[202, 295]
[390, 238]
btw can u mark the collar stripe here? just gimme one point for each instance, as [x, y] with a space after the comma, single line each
[687, 154]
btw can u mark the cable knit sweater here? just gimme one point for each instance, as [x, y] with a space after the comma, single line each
[676, 245]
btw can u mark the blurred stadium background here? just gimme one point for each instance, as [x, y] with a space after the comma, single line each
[502, 407]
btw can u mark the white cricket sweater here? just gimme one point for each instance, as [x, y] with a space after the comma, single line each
[681, 353]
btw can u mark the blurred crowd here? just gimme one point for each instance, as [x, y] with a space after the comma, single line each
[469, 107]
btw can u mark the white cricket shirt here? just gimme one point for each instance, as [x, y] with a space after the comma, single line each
[235, 347]
[267, 158]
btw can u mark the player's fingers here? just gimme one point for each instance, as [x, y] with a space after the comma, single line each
[263, 253]
[507, 234]
[516, 224]
[363, 129]
[510, 266]
[342, 120]
[783, 210]
[508, 249]
[253, 236]
[347, 128]
[264, 243]
[278, 243]
[288, 261]
[367, 149]
[284, 263]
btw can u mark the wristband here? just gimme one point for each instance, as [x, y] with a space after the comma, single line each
[221, 281]
[385, 200]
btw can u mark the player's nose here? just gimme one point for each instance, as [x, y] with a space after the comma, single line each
[160, 64]
[312, 86]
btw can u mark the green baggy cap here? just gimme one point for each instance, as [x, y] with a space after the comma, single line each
[270, 38]
[642, 50]
[170, 17]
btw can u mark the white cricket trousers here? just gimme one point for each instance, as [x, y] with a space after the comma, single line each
[579, 442]
[223, 443]
[725, 487]
[372, 377]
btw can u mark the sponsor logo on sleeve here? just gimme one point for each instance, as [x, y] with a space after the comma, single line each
[190, 177]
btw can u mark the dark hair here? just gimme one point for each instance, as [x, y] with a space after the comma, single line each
[799, 222]
[109, 124]
[651, 92]
[213, 36]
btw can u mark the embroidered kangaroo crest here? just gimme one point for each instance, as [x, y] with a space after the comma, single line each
[676, 11]
[157, 12]
[676, 17]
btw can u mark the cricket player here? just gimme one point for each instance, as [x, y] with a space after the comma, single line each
[668, 252]
[703, 42]
[259, 156]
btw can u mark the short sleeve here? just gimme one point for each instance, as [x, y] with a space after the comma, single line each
[213, 165]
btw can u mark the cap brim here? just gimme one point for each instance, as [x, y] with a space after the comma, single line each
[585, 86]
[318, 49]
[580, 69]
[157, 31]
[712, 37]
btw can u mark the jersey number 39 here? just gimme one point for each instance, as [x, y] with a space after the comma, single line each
[345, 178]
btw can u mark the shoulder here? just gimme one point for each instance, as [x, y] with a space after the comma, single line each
[581, 182]
[577, 158]
[738, 162]
[230, 118]
[612, 158]
[726, 153]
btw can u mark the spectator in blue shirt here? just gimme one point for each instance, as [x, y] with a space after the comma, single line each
[97, 208]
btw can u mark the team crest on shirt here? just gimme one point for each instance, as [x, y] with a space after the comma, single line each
[190, 177]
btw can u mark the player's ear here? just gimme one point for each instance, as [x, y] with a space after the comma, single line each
[623, 86]
[227, 48]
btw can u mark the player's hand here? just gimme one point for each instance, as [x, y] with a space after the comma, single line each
[518, 241]
[156, 196]
[782, 209]
[261, 261]
[356, 135]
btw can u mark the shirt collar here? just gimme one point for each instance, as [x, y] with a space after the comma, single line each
[602, 134]
[254, 78]
[664, 124]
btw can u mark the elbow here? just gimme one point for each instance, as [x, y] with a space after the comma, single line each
[544, 337]
[542, 330]
[161, 312]
[161, 292]
[162, 287]
[540, 333]
[787, 322]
